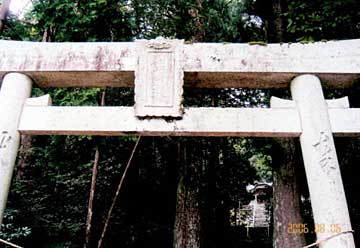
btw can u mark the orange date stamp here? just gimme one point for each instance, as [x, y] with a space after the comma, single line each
[303, 228]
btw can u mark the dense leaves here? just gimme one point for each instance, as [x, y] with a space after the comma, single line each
[323, 20]
[48, 201]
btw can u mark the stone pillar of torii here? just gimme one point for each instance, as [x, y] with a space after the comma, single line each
[160, 69]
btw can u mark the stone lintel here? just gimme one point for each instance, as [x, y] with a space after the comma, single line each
[283, 122]
[114, 121]
[216, 65]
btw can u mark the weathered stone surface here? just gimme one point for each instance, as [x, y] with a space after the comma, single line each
[340, 103]
[336, 63]
[14, 91]
[39, 101]
[321, 164]
[159, 78]
[345, 122]
[195, 122]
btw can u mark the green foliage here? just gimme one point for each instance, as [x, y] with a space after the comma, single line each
[96, 20]
[75, 96]
[48, 203]
[262, 164]
[52, 193]
[238, 173]
[258, 156]
[317, 20]
[176, 19]
[11, 229]
[16, 29]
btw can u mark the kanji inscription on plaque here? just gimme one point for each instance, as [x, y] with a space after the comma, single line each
[159, 78]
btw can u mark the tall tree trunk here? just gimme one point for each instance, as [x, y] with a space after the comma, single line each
[187, 227]
[48, 34]
[49, 31]
[287, 195]
[276, 23]
[212, 232]
[4, 9]
[24, 152]
[199, 31]
[187, 220]
[286, 203]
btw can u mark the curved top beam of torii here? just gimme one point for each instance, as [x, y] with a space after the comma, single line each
[337, 63]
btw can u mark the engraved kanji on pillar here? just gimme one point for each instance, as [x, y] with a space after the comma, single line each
[159, 78]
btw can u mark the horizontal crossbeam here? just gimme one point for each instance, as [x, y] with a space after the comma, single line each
[337, 63]
[261, 122]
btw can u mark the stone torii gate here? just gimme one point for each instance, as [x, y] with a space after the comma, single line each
[160, 68]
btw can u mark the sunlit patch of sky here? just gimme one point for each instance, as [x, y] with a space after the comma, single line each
[19, 7]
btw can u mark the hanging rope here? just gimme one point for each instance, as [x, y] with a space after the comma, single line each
[117, 194]
[8, 243]
[327, 238]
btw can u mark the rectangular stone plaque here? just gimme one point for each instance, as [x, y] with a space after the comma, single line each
[159, 78]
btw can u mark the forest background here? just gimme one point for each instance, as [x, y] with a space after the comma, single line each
[178, 191]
